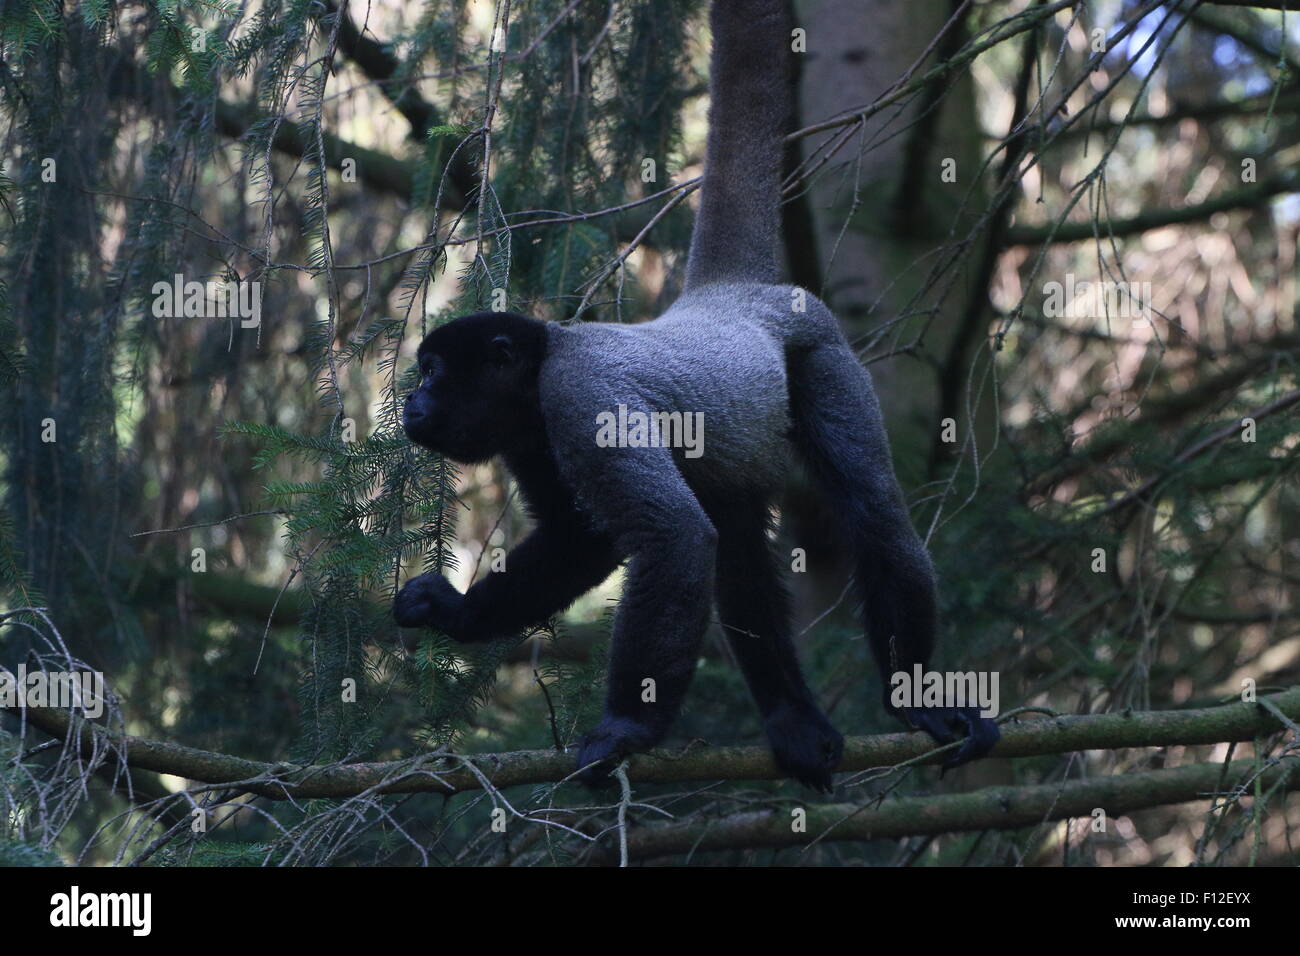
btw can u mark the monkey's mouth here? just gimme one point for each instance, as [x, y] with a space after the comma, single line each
[449, 442]
[422, 429]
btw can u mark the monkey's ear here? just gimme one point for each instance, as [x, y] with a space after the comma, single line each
[502, 350]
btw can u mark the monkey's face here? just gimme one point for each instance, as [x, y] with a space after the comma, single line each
[477, 395]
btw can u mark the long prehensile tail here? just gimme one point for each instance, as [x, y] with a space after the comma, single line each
[736, 236]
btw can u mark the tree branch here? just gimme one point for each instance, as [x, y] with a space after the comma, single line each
[1212, 23]
[1248, 197]
[444, 773]
[957, 365]
[1108, 442]
[1230, 430]
[376, 169]
[993, 808]
[1225, 109]
[379, 64]
[131, 82]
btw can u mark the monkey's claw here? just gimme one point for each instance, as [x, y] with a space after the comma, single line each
[943, 723]
[612, 740]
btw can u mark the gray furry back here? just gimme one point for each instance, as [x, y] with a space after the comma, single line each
[736, 231]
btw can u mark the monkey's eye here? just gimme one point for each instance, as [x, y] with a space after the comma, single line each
[501, 350]
[429, 367]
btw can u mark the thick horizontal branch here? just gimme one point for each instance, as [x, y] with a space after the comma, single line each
[1226, 109]
[1248, 197]
[993, 808]
[376, 169]
[438, 773]
[131, 82]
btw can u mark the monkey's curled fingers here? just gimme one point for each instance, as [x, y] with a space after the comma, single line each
[805, 745]
[612, 740]
[429, 600]
[942, 723]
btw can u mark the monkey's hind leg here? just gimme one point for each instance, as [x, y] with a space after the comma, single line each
[753, 607]
[838, 429]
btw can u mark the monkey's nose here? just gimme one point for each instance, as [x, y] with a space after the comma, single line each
[413, 414]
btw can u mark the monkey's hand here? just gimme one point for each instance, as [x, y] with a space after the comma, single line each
[429, 600]
[612, 740]
[942, 723]
[804, 743]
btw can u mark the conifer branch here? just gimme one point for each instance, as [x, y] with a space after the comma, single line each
[453, 773]
[993, 808]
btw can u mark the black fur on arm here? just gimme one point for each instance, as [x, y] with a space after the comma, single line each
[545, 573]
[563, 558]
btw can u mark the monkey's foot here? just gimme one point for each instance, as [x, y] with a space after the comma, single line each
[942, 723]
[612, 740]
[804, 743]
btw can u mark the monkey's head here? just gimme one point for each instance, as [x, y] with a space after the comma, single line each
[477, 396]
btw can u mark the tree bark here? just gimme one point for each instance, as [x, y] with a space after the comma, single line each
[994, 808]
[441, 773]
